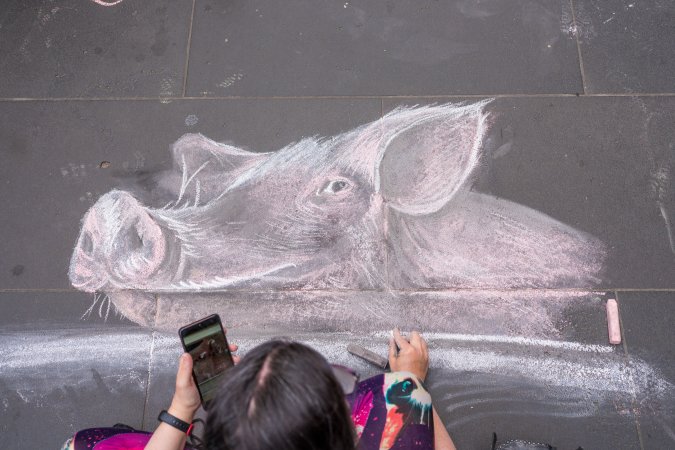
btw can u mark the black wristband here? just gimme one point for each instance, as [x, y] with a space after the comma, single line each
[175, 422]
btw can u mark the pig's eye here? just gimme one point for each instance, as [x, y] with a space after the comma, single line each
[335, 186]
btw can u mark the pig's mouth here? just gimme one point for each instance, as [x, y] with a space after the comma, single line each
[216, 282]
[121, 246]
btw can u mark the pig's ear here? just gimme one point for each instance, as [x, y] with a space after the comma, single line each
[203, 168]
[429, 154]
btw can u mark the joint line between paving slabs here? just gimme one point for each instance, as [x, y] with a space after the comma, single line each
[152, 349]
[623, 334]
[147, 384]
[576, 37]
[436, 97]
[187, 51]
[387, 289]
[624, 344]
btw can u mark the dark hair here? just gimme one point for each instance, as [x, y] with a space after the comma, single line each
[282, 396]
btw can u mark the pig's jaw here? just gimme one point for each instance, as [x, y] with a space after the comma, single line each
[217, 282]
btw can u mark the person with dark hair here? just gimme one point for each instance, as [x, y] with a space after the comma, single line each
[284, 395]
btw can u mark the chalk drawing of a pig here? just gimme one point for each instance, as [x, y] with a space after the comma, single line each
[385, 206]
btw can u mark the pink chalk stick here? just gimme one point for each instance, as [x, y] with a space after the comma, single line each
[613, 325]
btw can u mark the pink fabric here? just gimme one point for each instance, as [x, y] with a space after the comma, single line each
[126, 441]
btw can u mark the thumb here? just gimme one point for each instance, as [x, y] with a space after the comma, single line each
[184, 376]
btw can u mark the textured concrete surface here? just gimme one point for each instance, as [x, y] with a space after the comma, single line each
[579, 134]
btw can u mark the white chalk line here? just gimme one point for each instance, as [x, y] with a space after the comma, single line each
[515, 340]
[576, 367]
[107, 3]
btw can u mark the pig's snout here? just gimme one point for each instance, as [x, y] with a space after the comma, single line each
[120, 245]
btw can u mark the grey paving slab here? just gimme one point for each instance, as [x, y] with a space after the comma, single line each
[626, 46]
[86, 49]
[647, 319]
[602, 166]
[52, 154]
[514, 409]
[65, 373]
[382, 48]
[544, 403]
[525, 365]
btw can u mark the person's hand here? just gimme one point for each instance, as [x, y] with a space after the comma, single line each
[412, 356]
[233, 349]
[186, 399]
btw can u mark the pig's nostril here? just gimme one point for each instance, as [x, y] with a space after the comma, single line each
[87, 243]
[132, 238]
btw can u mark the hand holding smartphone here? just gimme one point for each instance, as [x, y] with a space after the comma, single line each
[205, 341]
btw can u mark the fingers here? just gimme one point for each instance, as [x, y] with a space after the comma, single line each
[417, 341]
[393, 353]
[184, 375]
[400, 340]
[233, 348]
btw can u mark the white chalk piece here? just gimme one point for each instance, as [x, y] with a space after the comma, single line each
[613, 325]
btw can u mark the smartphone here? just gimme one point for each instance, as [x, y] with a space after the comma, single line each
[205, 341]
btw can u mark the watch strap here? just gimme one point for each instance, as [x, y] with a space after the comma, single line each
[175, 422]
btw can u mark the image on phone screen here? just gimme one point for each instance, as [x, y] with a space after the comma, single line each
[211, 357]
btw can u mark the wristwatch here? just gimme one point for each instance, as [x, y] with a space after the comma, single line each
[175, 422]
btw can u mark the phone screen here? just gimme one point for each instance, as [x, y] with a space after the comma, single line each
[211, 356]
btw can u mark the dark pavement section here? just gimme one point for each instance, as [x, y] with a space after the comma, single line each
[627, 46]
[74, 48]
[265, 47]
[648, 319]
